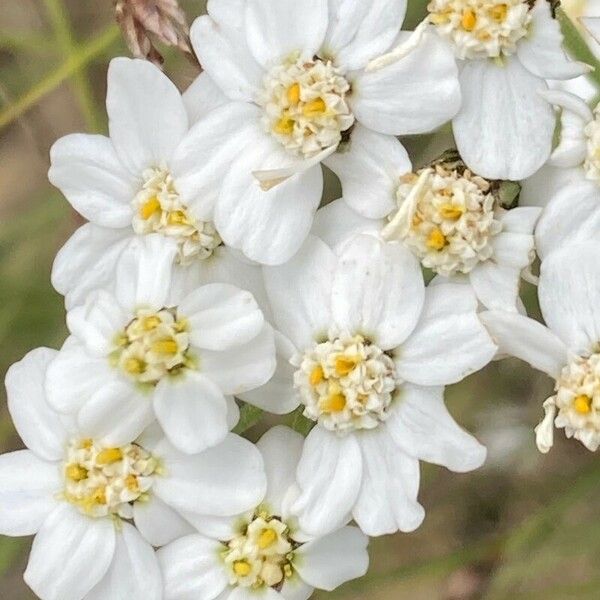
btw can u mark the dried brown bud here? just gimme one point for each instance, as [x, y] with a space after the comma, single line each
[164, 19]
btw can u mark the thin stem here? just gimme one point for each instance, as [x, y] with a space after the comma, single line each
[84, 55]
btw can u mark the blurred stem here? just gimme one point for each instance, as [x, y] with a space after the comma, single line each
[298, 422]
[82, 56]
[577, 47]
[23, 42]
[63, 32]
[249, 416]
[10, 549]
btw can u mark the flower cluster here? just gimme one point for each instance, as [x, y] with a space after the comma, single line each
[210, 278]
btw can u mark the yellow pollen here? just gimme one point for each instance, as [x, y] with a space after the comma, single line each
[314, 108]
[165, 347]
[86, 444]
[335, 403]
[149, 208]
[242, 568]
[469, 20]
[180, 325]
[293, 93]
[132, 483]
[285, 125]
[177, 217]
[499, 12]
[451, 211]
[436, 239]
[317, 376]
[109, 456]
[76, 472]
[266, 539]
[583, 404]
[134, 366]
[346, 364]
[151, 323]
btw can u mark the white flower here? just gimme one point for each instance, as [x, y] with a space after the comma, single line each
[150, 176]
[295, 92]
[133, 355]
[506, 51]
[263, 553]
[80, 497]
[568, 350]
[367, 350]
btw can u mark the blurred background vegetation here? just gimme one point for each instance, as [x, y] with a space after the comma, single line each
[523, 527]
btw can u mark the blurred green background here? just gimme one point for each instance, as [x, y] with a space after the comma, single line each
[523, 527]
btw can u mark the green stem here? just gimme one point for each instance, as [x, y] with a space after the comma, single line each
[577, 47]
[84, 55]
[249, 416]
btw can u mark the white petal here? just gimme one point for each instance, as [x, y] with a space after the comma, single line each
[592, 24]
[496, 286]
[387, 501]
[449, 342]
[241, 368]
[336, 222]
[204, 156]
[267, 226]
[88, 172]
[221, 47]
[504, 129]
[144, 271]
[225, 480]
[360, 31]
[217, 528]
[571, 216]
[87, 261]
[221, 316]
[244, 593]
[539, 189]
[300, 292]
[28, 486]
[369, 167]
[330, 561]
[513, 249]
[73, 377]
[202, 96]
[70, 554]
[97, 321]
[38, 425]
[134, 573]
[569, 294]
[281, 448]
[528, 340]
[421, 426]
[541, 51]
[116, 413]
[158, 523]
[414, 94]
[520, 219]
[146, 115]
[192, 569]
[378, 290]
[296, 589]
[192, 411]
[274, 31]
[278, 395]
[329, 475]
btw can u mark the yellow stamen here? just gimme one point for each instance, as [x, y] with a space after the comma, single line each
[335, 403]
[149, 208]
[583, 404]
[242, 568]
[150, 323]
[499, 12]
[76, 472]
[317, 376]
[165, 347]
[178, 217]
[132, 483]
[451, 211]
[134, 366]
[86, 444]
[346, 364]
[285, 125]
[267, 538]
[469, 20]
[436, 239]
[293, 93]
[109, 456]
[314, 108]
[180, 325]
